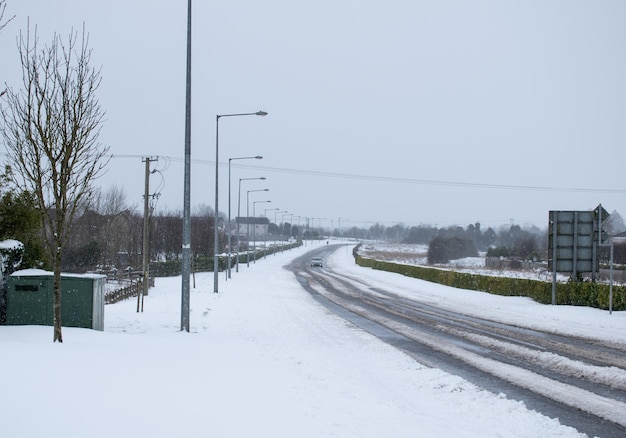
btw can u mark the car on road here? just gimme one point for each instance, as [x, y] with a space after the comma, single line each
[317, 261]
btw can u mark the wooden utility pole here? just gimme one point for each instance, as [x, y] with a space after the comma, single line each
[145, 252]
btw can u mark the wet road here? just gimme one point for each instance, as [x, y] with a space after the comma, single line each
[582, 382]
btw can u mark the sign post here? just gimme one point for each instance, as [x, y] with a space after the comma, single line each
[573, 239]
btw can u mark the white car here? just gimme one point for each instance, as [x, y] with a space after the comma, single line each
[316, 261]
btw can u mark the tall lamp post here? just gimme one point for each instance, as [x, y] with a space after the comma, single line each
[282, 221]
[276, 223]
[216, 234]
[186, 238]
[258, 157]
[254, 230]
[248, 221]
[268, 226]
[269, 209]
[319, 226]
[239, 215]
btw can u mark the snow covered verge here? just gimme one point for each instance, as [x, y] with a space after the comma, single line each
[417, 255]
[263, 359]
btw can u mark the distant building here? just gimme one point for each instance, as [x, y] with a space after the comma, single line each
[252, 226]
[619, 238]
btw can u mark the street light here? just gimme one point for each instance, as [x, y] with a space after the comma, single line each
[298, 227]
[319, 226]
[254, 230]
[276, 223]
[257, 157]
[248, 221]
[282, 221]
[239, 215]
[216, 234]
[268, 226]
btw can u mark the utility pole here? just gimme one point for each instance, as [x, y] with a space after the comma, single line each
[186, 248]
[145, 252]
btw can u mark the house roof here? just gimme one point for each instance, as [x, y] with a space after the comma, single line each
[253, 220]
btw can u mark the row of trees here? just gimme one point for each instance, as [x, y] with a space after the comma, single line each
[109, 239]
[455, 242]
[520, 241]
[108, 235]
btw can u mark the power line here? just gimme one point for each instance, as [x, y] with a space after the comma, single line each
[436, 182]
[402, 180]
[391, 179]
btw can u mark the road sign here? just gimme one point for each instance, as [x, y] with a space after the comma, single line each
[600, 216]
[600, 213]
[570, 242]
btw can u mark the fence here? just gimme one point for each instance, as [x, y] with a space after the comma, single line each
[123, 293]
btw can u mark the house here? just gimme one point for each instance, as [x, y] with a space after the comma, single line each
[252, 226]
[619, 238]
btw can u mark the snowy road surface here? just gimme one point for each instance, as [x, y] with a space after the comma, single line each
[581, 381]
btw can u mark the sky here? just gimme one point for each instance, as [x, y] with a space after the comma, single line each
[413, 112]
[266, 351]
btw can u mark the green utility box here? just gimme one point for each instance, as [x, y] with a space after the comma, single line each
[30, 299]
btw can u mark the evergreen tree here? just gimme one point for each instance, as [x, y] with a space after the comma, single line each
[20, 220]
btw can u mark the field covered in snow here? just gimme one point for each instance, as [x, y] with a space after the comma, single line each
[411, 254]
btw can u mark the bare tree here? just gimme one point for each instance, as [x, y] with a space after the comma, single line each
[110, 202]
[51, 129]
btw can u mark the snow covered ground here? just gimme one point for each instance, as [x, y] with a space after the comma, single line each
[416, 254]
[263, 359]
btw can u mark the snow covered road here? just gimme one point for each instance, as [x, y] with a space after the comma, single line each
[564, 374]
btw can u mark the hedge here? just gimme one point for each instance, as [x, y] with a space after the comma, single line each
[171, 268]
[572, 293]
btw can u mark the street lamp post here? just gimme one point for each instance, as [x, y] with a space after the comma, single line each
[276, 223]
[254, 229]
[248, 221]
[282, 221]
[257, 157]
[215, 231]
[239, 215]
[319, 225]
[298, 228]
[268, 227]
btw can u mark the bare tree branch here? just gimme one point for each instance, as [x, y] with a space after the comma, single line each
[3, 7]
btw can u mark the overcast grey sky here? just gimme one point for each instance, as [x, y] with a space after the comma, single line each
[403, 111]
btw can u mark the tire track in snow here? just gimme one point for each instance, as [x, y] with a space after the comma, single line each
[599, 405]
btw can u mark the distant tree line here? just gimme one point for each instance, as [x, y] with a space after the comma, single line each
[107, 235]
[456, 242]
